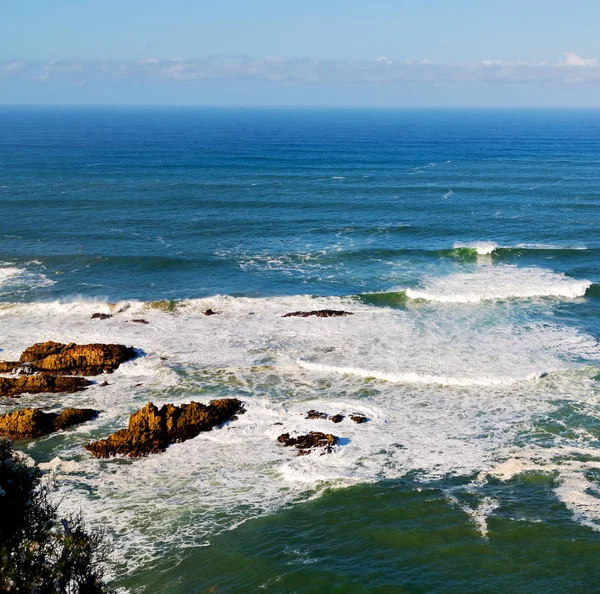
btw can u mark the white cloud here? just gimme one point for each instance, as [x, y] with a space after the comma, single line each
[287, 71]
[572, 59]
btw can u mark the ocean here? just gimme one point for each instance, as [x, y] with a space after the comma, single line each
[466, 245]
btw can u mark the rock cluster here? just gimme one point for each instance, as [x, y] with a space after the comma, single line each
[29, 423]
[151, 430]
[315, 414]
[74, 359]
[319, 313]
[313, 440]
[41, 383]
[101, 316]
[356, 417]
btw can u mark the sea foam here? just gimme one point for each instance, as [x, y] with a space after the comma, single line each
[503, 281]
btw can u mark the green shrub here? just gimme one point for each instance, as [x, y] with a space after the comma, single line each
[41, 553]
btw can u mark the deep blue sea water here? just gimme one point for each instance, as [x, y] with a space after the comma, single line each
[465, 242]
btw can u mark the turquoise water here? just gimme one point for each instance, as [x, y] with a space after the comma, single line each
[466, 244]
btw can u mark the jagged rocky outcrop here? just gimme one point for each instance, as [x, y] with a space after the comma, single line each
[319, 313]
[315, 414]
[313, 440]
[57, 358]
[40, 383]
[29, 423]
[151, 429]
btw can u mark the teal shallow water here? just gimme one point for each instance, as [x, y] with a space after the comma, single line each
[465, 243]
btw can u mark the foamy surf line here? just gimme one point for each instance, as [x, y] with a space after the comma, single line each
[417, 378]
[503, 281]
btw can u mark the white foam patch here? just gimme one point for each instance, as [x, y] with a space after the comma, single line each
[416, 378]
[499, 282]
[222, 478]
[14, 280]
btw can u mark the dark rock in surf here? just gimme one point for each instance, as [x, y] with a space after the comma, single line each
[358, 418]
[311, 441]
[319, 313]
[315, 414]
[101, 316]
[141, 321]
[152, 430]
[210, 312]
[29, 423]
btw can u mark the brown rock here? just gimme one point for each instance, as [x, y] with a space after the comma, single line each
[358, 418]
[141, 321]
[210, 312]
[315, 414]
[320, 313]
[37, 384]
[29, 423]
[101, 316]
[337, 418]
[76, 359]
[314, 439]
[151, 430]
[8, 366]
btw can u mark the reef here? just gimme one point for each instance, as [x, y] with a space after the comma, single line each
[319, 313]
[29, 423]
[313, 440]
[151, 430]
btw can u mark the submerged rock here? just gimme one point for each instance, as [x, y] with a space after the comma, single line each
[210, 312]
[358, 418]
[29, 423]
[319, 313]
[37, 384]
[313, 440]
[152, 430]
[336, 418]
[101, 316]
[76, 359]
[141, 321]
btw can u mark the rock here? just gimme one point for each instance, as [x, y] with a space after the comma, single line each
[76, 359]
[104, 384]
[358, 418]
[29, 423]
[8, 366]
[37, 384]
[210, 312]
[101, 316]
[320, 313]
[141, 321]
[152, 430]
[315, 414]
[314, 439]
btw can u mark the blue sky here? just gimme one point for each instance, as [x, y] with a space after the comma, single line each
[332, 52]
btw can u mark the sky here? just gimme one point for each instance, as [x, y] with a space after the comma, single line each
[328, 52]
